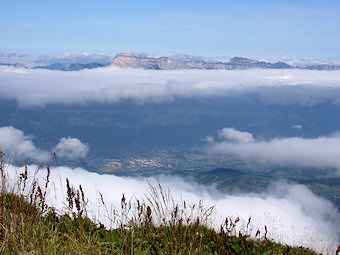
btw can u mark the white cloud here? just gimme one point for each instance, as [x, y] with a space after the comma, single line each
[292, 213]
[71, 148]
[235, 135]
[297, 126]
[321, 152]
[209, 139]
[39, 87]
[14, 142]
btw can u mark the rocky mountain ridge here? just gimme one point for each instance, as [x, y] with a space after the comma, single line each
[131, 60]
[128, 60]
[69, 67]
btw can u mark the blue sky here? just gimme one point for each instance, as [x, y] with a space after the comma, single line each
[271, 28]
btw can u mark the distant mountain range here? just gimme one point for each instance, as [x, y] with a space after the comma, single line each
[16, 65]
[167, 63]
[130, 60]
[70, 67]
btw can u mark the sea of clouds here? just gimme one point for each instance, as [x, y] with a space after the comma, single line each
[292, 214]
[31, 87]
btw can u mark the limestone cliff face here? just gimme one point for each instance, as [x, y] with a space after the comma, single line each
[128, 60]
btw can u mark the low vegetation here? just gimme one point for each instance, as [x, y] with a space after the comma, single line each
[154, 225]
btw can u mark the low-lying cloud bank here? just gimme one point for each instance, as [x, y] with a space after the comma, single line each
[14, 142]
[321, 152]
[110, 84]
[292, 213]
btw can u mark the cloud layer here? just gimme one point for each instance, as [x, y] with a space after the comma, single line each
[321, 152]
[292, 213]
[14, 142]
[39, 87]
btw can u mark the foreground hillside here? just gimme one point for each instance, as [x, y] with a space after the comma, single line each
[155, 225]
[24, 229]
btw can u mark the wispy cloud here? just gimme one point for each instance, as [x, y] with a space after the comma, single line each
[297, 126]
